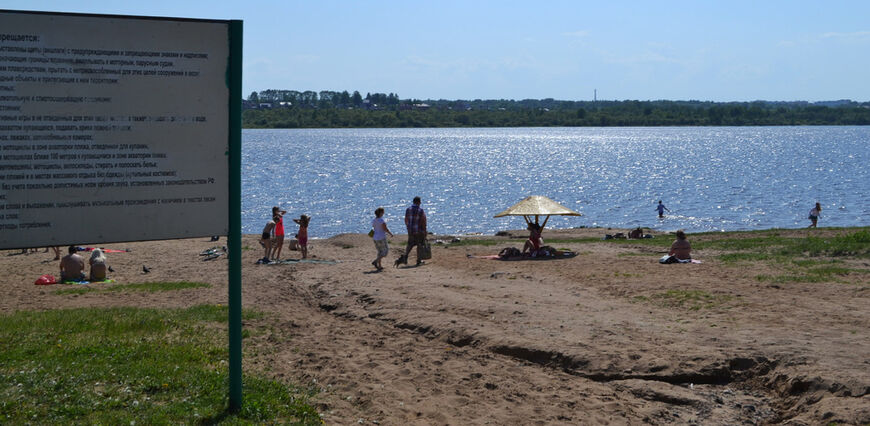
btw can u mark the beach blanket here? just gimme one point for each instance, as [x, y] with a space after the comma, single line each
[87, 282]
[668, 259]
[103, 249]
[557, 255]
[487, 256]
[295, 261]
[50, 279]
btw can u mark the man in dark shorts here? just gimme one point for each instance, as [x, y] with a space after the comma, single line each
[415, 222]
[266, 238]
[72, 266]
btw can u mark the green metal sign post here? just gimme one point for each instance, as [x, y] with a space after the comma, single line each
[234, 238]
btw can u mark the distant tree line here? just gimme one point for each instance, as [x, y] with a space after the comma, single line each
[330, 109]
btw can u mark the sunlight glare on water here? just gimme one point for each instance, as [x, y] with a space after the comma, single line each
[711, 178]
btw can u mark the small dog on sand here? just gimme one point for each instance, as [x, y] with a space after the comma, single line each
[402, 259]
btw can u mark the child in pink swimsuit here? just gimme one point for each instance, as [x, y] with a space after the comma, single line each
[303, 234]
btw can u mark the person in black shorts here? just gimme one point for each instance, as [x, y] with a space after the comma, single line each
[266, 238]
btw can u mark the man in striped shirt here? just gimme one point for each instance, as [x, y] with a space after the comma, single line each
[415, 221]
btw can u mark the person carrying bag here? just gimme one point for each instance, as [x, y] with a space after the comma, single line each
[415, 222]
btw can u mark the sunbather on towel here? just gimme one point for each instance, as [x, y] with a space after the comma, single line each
[681, 249]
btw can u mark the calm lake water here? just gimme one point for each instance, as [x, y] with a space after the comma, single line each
[711, 178]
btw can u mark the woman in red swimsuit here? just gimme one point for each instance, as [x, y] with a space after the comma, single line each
[279, 232]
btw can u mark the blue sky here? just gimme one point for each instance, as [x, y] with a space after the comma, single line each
[678, 50]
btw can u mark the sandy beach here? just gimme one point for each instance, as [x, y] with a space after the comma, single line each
[607, 337]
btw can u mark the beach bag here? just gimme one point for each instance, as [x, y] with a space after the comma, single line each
[425, 250]
[668, 259]
[46, 280]
[546, 251]
[509, 252]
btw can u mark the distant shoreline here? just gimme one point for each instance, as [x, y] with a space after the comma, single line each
[548, 113]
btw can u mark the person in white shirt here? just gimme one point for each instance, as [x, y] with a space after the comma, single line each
[815, 212]
[380, 236]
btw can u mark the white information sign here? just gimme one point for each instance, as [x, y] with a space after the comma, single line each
[111, 129]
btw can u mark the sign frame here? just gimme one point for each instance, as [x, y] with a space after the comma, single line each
[233, 81]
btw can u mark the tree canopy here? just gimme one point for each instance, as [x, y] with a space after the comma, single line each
[332, 109]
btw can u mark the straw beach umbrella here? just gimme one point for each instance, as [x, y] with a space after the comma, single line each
[537, 205]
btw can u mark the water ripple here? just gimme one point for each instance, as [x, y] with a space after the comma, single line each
[711, 178]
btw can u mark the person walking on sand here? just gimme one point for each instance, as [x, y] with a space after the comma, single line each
[279, 232]
[266, 239]
[302, 236]
[72, 266]
[379, 225]
[661, 209]
[815, 212]
[415, 222]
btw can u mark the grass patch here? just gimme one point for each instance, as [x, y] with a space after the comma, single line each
[803, 259]
[805, 263]
[757, 244]
[731, 258]
[147, 287]
[829, 271]
[856, 244]
[761, 243]
[635, 254]
[793, 278]
[125, 365]
[686, 299]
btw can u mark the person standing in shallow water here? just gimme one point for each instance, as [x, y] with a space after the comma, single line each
[661, 209]
[815, 212]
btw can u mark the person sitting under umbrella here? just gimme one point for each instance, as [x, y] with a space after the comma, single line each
[536, 206]
[534, 243]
